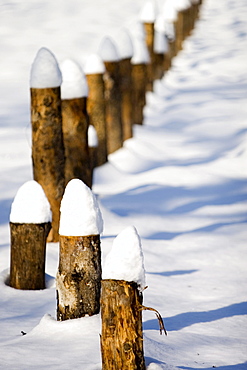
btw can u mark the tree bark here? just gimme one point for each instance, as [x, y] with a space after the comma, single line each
[125, 69]
[79, 277]
[121, 338]
[139, 80]
[48, 148]
[97, 114]
[149, 29]
[114, 127]
[75, 129]
[27, 260]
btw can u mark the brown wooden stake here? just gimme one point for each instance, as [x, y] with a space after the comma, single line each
[75, 128]
[48, 148]
[79, 277]
[96, 112]
[114, 127]
[139, 80]
[179, 29]
[121, 337]
[149, 30]
[125, 69]
[27, 261]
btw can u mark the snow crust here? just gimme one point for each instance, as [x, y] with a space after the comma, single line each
[92, 137]
[30, 205]
[148, 12]
[80, 212]
[94, 65]
[74, 83]
[108, 50]
[124, 44]
[45, 72]
[125, 260]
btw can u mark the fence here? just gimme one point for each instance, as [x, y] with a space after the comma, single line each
[109, 98]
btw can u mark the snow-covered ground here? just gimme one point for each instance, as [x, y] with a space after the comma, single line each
[181, 181]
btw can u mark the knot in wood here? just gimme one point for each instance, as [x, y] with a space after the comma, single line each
[48, 100]
[127, 347]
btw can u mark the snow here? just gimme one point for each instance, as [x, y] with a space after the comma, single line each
[45, 71]
[80, 213]
[94, 65]
[181, 181]
[92, 137]
[182, 4]
[30, 205]
[74, 81]
[108, 50]
[125, 259]
[169, 11]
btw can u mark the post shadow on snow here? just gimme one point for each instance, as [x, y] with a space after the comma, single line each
[210, 228]
[157, 199]
[150, 360]
[186, 319]
[242, 366]
[173, 273]
[5, 206]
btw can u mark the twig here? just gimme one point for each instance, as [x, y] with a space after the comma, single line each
[160, 320]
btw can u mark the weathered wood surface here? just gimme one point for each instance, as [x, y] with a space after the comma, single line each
[97, 114]
[27, 260]
[139, 80]
[78, 277]
[48, 149]
[75, 129]
[121, 337]
[125, 69]
[114, 129]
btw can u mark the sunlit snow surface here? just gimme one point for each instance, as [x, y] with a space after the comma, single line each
[181, 181]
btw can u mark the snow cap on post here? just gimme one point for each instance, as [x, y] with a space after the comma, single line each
[92, 137]
[125, 259]
[80, 213]
[148, 13]
[30, 205]
[45, 72]
[182, 4]
[94, 65]
[141, 54]
[74, 81]
[124, 44]
[169, 11]
[108, 50]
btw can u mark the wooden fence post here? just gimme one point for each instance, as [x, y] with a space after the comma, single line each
[94, 70]
[148, 15]
[139, 62]
[125, 49]
[47, 138]
[29, 226]
[79, 273]
[114, 128]
[74, 91]
[121, 304]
